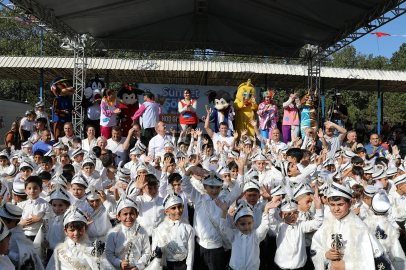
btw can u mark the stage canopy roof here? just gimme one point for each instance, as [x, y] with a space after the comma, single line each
[250, 27]
[201, 73]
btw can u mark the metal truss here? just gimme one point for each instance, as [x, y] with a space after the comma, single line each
[200, 20]
[79, 83]
[375, 18]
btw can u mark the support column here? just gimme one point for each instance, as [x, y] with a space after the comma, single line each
[378, 125]
[322, 101]
[79, 83]
[382, 107]
[206, 77]
[20, 89]
[107, 78]
[41, 84]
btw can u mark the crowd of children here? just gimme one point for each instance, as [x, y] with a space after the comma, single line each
[307, 204]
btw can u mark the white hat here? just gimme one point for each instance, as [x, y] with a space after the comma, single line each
[135, 151]
[324, 175]
[213, 179]
[169, 144]
[171, 199]
[247, 141]
[126, 201]
[259, 157]
[400, 179]
[58, 145]
[283, 149]
[50, 153]
[244, 209]
[79, 179]
[141, 167]
[4, 154]
[233, 154]
[180, 155]
[10, 170]
[284, 168]
[59, 193]
[26, 164]
[225, 190]
[18, 188]
[131, 187]
[253, 172]
[91, 155]
[91, 193]
[252, 184]
[346, 166]
[27, 144]
[337, 174]
[278, 190]
[328, 161]
[140, 145]
[369, 169]
[349, 154]
[59, 179]
[301, 189]
[213, 158]
[391, 171]
[380, 203]
[74, 213]
[370, 191]
[86, 161]
[40, 103]
[337, 190]
[289, 204]
[323, 189]
[4, 232]
[77, 152]
[11, 211]
[124, 172]
[379, 174]
[223, 170]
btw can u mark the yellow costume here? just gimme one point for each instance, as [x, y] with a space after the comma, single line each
[244, 108]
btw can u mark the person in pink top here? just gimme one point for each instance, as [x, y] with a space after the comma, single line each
[150, 111]
[290, 124]
[109, 110]
[268, 115]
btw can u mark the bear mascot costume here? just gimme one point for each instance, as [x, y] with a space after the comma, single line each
[91, 104]
[222, 112]
[245, 106]
[129, 105]
[62, 108]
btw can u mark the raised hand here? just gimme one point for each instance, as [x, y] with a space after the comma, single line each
[140, 182]
[173, 130]
[221, 204]
[208, 110]
[253, 122]
[235, 134]
[320, 133]
[199, 132]
[197, 171]
[244, 132]
[266, 192]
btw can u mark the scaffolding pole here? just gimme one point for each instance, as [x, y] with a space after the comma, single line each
[313, 79]
[79, 83]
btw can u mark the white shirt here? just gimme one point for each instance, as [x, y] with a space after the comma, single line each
[67, 140]
[117, 246]
[151, 212]
[219, 138]
[208, 237]
[27, 125]
[290, 240]
[34, 137]
[245, 248]
[38, 207]
[177, 238]
[101, 221]
[88, 147]
[156, 145]
[397, 210]
[359, 246]
[163, 185]
[5, 263]
[365, 211]
[117, 148]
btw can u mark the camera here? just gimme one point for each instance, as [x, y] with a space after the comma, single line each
[333, 93]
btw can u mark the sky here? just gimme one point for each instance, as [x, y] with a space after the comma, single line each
[385, 46]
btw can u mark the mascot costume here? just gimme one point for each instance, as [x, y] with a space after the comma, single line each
[222, 112]
[245, 106]
[129, 105]
[91, 103]
[62, 108]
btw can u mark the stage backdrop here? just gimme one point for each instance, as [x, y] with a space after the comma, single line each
[168, 97]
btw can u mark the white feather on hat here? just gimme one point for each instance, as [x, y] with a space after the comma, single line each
[74, 213]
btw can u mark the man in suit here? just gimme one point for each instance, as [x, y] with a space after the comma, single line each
[134, 134]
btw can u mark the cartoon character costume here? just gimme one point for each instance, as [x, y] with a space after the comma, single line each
[290, 123]
[91, 103]
[62, 107]
[222, 112]
[129, 105]
[308, 115]
[268, 115]
[245, 109]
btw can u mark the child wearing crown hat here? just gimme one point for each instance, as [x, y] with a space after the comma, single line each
[291, 232]
[5, 235]
[210, 238]
[388, 235]
[344, 241]
[21, 250]
[245, 239]
[127, 244]
[76, 251]
[174, 235]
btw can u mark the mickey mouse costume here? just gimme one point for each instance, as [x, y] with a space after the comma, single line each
[222, 112]
[129, 105]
